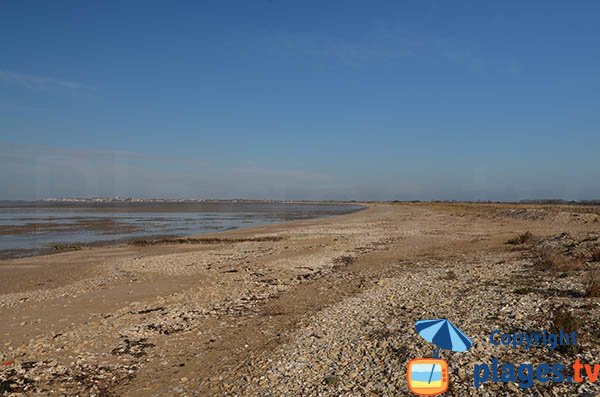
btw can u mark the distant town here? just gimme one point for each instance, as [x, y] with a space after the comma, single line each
[171, 200]
[119, 200]
[142, 200]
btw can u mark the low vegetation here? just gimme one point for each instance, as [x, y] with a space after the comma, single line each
[549, 259]
[564, 319]
[343, 260]
[521, 239]
[524, 290]
[593, 284]
[450, 275]
[331, 380]
[66, 247]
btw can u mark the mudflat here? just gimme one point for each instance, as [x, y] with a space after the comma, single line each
[33, 228]
[311, 307]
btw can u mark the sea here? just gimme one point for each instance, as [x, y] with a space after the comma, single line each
[33, 228]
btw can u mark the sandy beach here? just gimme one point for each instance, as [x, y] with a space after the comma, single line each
[311, 307]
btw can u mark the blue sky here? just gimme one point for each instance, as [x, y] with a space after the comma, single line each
[300, 100]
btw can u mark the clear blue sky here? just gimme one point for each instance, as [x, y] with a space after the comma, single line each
[280, 99]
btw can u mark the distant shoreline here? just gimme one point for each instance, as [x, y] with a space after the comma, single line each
[161, 206]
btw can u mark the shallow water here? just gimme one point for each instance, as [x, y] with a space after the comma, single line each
[37, 227]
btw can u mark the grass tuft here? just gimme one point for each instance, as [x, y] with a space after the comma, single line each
[66, 247]
[331, 380]
[563, 319]
[549, 259]
[343, 260]
[521, 239]
[595, 256]
[593, 284]
[450, 275]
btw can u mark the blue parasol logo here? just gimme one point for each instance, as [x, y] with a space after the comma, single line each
[443, 334]
[429, 377]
